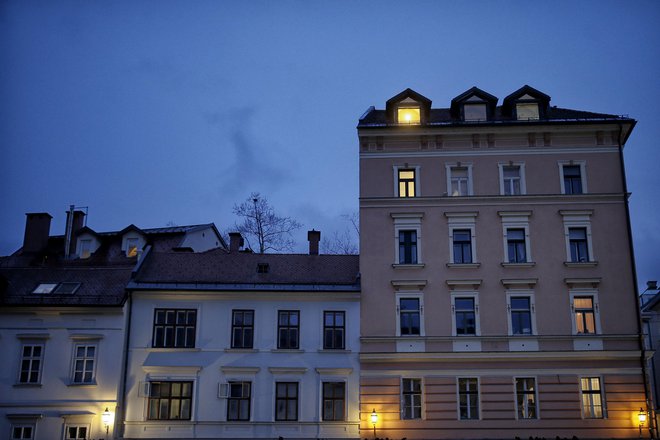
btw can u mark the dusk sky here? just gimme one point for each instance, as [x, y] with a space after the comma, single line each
[151, 112]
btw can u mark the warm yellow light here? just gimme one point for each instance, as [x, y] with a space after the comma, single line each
[641, 416]
[374, 417]
[106, 418]
[408, 115]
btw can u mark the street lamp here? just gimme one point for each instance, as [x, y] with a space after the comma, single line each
[641, 417]
[106, 418]
[374, 420]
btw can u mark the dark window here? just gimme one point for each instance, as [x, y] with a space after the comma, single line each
[526, 397]
[174, 328]
[468, 395]
[412, 399]
[170, 400]
[334, 396]
[238, 402]
[263, 267]
[407, 247]
[515, 241]
[521, 315]
[288, 328]
[572, 179]
[465, 316]
[31, 358]
[22, 432]
[409, 316]
[577, 239]
[462, 246]
[406, 183]
[286, 401]
[333, 330]
[75, 432]
[242, 328]
[511, 177]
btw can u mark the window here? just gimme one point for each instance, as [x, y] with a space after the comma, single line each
[462, 242]
[174, 328]
[577, 240]
[407, 247]
[84, 359]
[75, 432]
[584, 313]
[22, 432]
[45, 288]
[131, 247]
[411, 399]
[592, 398]
[288, 327]
[465, 316]
[521, 315]
[527, 111]
[286, 401]
[242, 328]
[263, 267]
[459, 180]
[238, 403]
[333, 330]
[572, 179]
[170, 400]
[408, 115]
[526, 398]
[334, 397]
[31, 362]
[409, 316]
[85, 248]
[406, 179]
[474, 112]
[56, 288]
[516, 249]
[468, 398]
[511, 180]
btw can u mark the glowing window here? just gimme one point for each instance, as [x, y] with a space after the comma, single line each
[131, 247]
[406, 183]
[408, 115]
[527, 111]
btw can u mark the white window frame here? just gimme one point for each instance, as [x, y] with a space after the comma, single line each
[468, 166]
[536, 397]
[602, 397]
[421, 392]
[22, 426]
[41, 359]
[458, 397]
[477, 325]
[516, 220]
[409, 295]
[407, 222]
[582, 293]
[578, 219]
[396, 169]
[583, 174]
[521, 167]
[532, 310]
[462, 220]
[74, 358]
[77, 426]
[130, 236]
[330, 379]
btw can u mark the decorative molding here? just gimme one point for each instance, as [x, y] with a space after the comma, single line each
[463, 284]
[513, 283]
[287, 370]
[334, 371]
[585, 282]
[415, 284]
[240, 370]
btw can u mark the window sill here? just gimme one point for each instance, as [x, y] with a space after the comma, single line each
[83, 385]
[464, 265]
[287, 350]
[525, 264]
[408, 266]
[172, 349]
[333, 350]
[241, 350]
[584, 264]
[27, 385]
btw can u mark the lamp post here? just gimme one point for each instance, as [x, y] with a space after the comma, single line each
[106, 418]
[374, 420]
[641, 417]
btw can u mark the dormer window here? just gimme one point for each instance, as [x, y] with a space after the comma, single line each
[527, 111]
[263, 267]
[408, 115]
[85, 248]
[408, 108]
[475, 112]
[131, 247]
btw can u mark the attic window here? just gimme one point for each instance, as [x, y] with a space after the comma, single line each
[44, 288]
[263, 267]
[131, 247]
[527, 111]
[408, 115]
[67, 288]
[474, 112]
[85, 248]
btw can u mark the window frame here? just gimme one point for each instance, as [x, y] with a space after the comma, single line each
[333, 399]
[286, 400]
[22, 427]
[84, 359]
[289, 329]
[242, 328]
[31, 359]
[407, 222]
[409, 247]
[590, 409]
[77, 427]
[516, 220]
[449, 167]
[476, 104]
[585, 293]
[521, 176]
[397, 169]
[474, 296]
[412, 393]
[526, 392]
[175, 327]
[420, 312]
[527, 104]
[575, 220]
[334, 328]
[240, 400]
[462, 221]
[583, 175]
[170, 398]
[511, 294]
[468, 392]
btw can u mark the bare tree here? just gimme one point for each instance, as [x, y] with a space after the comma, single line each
[344, 242]
[260, 225]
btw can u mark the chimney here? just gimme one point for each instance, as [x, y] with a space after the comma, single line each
[235, 241]
[314, 237]
[75, 220]
[37, 230]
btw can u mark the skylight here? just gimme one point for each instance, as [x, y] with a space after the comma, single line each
[44, 288]
[56, 288]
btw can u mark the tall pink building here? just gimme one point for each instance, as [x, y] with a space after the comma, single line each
[498, 293]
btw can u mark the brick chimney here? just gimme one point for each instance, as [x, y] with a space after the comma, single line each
[75, 220]
[235, 241]
[313, 237]
[37, 230]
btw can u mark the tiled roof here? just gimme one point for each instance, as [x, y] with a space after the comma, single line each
[218, 267]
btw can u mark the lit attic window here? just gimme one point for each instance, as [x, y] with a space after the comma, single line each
[408, 115]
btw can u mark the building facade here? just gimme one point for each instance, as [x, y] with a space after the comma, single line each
[497, 278]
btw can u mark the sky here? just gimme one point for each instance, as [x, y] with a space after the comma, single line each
[171, 112]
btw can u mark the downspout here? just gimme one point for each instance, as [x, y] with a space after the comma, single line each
[649, 399]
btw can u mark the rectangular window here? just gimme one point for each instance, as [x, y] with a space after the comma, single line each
[577, 241]
[527, 111]
[515, 241]
[468, 398]
[238, 402]
[462, 240]
[333, 330]
[31, 361]
[459, 181]
[511, 180]
[583, 309]
[474, 112]
[465, 315]
[572, 179]
[526, 397]
[75, 432]
[288, 328]
[22, 432]
[85, 248]
[411, 397]
[170, 400]
[409, 316]
[84, 359]
[334, 398]
[592, 398]
[242, 328]
[286, 401]
[131, 247]
[408, 115]
[406, 183]
[407, 247]
[521, 315]
[174, 328]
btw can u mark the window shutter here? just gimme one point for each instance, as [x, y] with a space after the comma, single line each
[144, 390]
[223, 390]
